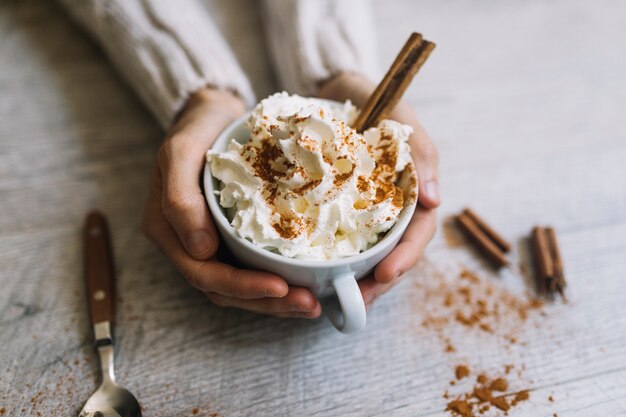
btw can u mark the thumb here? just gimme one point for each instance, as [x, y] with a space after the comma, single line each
[181, 160]
[183, 203]
[426, 160]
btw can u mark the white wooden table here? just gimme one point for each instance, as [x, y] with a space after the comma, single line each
[527, 103]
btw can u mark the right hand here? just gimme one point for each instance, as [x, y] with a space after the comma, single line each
[176, 217]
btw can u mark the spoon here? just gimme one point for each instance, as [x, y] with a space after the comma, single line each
[109, 400]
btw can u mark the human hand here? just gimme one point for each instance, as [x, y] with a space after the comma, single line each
[176, 217]
[422, 227]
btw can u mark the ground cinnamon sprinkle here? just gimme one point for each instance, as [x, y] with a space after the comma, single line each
[265, 158]
[398, 198]
[499, 384]
[307, 187]
[480, 398]
[288, 226]
[461, 371]
[520, 396]
[475, 304]
[485, 311]
[362, 184]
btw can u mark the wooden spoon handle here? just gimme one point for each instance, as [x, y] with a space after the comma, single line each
[99, 273]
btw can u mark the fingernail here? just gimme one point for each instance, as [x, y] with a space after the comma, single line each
[300, 308]
[431, 189]
[198, 242]
[272, 293]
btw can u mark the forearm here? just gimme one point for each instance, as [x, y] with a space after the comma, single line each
[166, 50]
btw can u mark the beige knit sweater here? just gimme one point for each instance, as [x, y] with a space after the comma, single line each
[167, 49]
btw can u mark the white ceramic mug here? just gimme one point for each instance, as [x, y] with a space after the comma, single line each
[323, 277]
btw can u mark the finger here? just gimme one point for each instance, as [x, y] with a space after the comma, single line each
[181, 160]
[411, 247]
[426, 160]
[368, 287]
[372, 289]
[299, 302]
[212, 276]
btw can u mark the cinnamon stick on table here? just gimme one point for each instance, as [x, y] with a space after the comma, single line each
[543, 259]
[387, 94]
[482, 236]
[548, 263]
[488, 230]
[558, 282]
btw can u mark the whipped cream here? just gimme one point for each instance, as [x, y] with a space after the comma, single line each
[307, 185]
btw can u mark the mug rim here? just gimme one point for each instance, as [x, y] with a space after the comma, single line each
[219, 217]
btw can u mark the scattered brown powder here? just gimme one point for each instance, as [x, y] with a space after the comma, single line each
[461, 408]
[473, 303]
[288, 226]
[501, 403]
[385, 191]
[362, 184]
[484, 311]
[265, 158]
[461, 371]
[481, 397]
[384, 175]
[306, 187]
[268, 163]
[398, 198]
[499, 384]
[310, 225]
[520, 396]
[482, 393]
[340, 179]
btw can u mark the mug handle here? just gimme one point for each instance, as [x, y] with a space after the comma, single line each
[350, 316]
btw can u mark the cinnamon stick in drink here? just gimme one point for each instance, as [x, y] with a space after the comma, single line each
[387, 94]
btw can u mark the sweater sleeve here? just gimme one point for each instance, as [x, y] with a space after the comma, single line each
[165, 49]
[312, 40]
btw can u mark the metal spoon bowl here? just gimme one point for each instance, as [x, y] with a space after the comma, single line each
[110, 399]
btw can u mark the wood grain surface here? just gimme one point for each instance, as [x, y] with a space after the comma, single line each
[526, 101]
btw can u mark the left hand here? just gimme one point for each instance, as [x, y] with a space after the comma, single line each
[422, 227]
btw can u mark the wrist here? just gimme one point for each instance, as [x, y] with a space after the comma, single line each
[210, 98]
